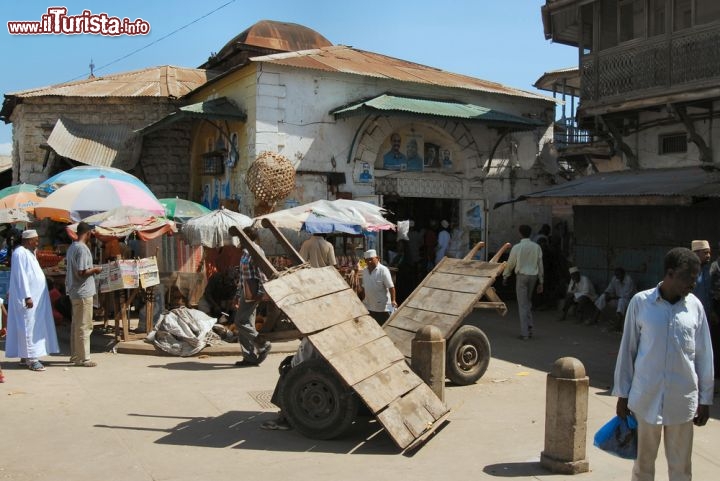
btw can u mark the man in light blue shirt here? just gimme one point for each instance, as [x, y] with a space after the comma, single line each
[664, 370]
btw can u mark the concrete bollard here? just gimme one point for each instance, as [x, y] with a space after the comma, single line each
[428, 358]
[566, 408]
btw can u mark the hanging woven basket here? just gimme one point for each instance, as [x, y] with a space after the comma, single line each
[270, 178]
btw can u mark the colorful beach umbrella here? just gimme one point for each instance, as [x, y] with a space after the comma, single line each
[76, 201]
[182, 210]
[85, 172]
[20, 196]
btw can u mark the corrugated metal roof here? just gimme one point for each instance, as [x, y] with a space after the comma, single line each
[101, 145]
[346, 59]
[216, 109]
[678, 186]
[163, 81]
[439, 108]
[570, 77]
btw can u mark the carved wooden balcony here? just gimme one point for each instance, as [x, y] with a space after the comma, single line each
[647, 68]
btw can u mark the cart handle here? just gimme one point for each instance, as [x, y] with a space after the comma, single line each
[294, 255]
[474, 251]
[500, 252]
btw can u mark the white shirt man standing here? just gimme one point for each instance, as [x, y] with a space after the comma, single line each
[378, 290]
[664, 369]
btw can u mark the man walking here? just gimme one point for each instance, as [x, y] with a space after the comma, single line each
[80, 284]
[31, 329]
[526, 262]
[378, 290]
[250, 293]
[664, 369]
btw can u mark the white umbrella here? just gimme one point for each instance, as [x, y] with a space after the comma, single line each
[211, 230]
[326, 216]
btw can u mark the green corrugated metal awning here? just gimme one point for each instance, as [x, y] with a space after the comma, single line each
[216, 109]
[436, 108]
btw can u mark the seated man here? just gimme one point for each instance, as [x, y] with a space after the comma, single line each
[219, 294]
[617, 294]
[580, 295]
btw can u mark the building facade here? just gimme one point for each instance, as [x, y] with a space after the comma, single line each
[648, 87]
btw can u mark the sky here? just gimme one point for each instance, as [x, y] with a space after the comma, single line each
[496, 40]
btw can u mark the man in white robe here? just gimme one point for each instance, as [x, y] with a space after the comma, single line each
[31, 329]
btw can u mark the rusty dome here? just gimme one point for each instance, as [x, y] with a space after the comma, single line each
[280, 36]
[263, 38]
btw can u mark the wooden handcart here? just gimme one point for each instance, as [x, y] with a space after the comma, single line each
[443, 299]
[358, 361]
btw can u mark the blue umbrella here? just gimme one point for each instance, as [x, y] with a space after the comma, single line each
[87, 172]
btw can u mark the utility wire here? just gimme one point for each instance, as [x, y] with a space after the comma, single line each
[158, 40]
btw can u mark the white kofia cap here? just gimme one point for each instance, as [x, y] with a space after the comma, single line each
[445, 224]
[370, 254]
[573, 270]
[698, 245]
[29, 234]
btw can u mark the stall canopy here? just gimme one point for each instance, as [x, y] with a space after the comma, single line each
[435, 108]
[216, 109]
[124, 221]
[675, 186]
[328, 216]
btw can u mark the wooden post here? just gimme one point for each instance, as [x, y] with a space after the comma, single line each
[428, 358]
[149, 308]
[566, 410]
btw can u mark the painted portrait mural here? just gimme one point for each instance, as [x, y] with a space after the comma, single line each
[413, 153]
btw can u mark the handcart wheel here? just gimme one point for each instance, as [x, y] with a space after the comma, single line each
[468, 355]
[316, 402]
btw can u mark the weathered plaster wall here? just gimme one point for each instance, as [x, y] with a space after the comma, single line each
[645, 143]
[302, 129]
[288, 112]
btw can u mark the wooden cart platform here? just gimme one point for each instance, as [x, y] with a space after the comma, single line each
[443, 299]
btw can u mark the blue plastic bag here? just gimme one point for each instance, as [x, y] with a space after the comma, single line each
[618, 437]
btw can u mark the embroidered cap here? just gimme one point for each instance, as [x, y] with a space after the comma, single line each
[29, 234]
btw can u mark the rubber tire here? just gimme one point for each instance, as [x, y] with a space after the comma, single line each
[468, 355]
[316, 402]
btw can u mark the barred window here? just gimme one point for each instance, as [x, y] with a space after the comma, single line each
[672, 144]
